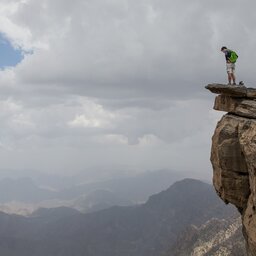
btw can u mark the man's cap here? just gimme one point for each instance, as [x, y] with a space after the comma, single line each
[223, 48]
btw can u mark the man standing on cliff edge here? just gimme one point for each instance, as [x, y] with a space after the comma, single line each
[231, 58]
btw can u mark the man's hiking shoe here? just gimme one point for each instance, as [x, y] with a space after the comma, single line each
[234, 83]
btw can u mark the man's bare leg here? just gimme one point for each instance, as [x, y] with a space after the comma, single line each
[229, 78]
[233, 77]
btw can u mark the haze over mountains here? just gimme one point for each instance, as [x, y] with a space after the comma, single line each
[24, 195]
[149, 229]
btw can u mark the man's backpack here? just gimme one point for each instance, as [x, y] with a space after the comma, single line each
[233, 57]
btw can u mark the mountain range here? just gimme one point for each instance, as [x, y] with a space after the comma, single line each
[149, 229]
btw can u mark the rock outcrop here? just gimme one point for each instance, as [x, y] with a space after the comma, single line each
[233, 154]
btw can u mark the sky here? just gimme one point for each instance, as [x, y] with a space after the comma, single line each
[9, 56]
[107, 86]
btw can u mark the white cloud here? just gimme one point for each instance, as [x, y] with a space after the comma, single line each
[93, 116]
[83, 121]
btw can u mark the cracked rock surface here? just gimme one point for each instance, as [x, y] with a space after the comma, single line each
[233, 154]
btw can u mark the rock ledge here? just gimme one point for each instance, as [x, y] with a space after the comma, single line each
[232, 90]
[237, 100]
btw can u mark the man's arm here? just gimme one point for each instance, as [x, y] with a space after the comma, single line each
[228, 55]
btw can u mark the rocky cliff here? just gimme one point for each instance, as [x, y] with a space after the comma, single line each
[233, 154]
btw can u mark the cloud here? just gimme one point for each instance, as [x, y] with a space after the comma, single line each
[119, 49]
[123, 48]
[92, 116]
[126, 76]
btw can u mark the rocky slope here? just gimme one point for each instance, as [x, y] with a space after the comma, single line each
[233, 154]
[214, 238]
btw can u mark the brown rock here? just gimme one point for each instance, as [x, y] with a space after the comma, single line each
[248, 143]
[251, 93]
[233, 158]
[233, 154]
[239, 106]
[230, 172]
[228, 90]
[238, 91]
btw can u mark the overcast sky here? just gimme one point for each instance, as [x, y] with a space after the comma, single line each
[117, 84]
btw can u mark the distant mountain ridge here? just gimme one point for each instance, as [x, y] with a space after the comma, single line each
[144, 230]
[24, 190]
[22, 195]
[135, 188]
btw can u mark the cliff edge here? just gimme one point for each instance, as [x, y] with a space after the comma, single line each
[233, 154]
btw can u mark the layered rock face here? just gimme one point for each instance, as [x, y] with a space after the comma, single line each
[233, 154]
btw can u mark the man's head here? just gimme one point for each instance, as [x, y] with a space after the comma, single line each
[223, 48]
